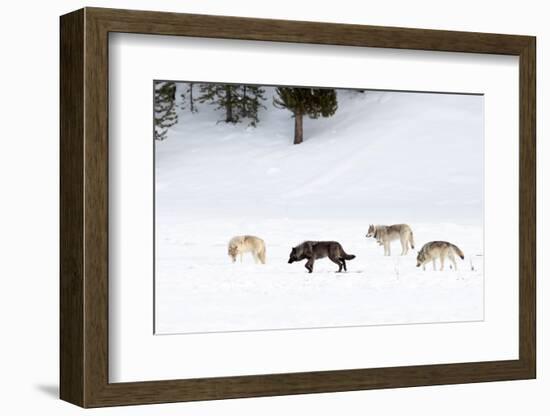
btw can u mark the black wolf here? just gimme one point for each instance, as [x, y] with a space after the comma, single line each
[312, 250]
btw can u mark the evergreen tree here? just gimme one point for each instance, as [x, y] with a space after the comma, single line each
[251, 102]
[237, 101]
[164, 108]
[225, 96]
[311, 102]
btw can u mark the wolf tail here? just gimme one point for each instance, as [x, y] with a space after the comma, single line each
[412, 240]
[348, 256]
[261, 255]
[458, 251]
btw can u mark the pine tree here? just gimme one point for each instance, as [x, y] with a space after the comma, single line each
[225, 96]
[164, 108]
[251, 102]
[237, 101]
[311, 102]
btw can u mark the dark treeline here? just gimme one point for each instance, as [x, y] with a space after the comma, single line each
[239, 103]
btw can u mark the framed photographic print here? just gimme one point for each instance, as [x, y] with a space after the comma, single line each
[255, 207]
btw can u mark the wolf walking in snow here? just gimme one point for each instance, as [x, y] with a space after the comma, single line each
[313, 250]
[438, 249]
[385, 234]
[246, 243]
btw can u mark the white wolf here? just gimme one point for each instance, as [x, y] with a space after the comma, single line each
[246, 243]
[385, 234]
[438, 249]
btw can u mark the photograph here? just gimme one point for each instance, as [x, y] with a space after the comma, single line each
[297, 207]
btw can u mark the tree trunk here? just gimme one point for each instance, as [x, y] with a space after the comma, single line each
[191, 100]
[243, 103]
[298, 128]
[228, 105]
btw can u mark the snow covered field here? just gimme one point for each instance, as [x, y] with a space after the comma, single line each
[383, 158]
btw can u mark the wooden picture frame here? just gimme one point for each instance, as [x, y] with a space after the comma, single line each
[84, 207]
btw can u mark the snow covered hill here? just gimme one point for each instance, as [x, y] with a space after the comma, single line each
[383, 158]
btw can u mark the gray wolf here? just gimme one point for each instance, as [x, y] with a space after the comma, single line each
[385, 234]
[246, 243]
[313, 250]
[438, 249]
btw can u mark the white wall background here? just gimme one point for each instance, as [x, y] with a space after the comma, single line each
[29, 205]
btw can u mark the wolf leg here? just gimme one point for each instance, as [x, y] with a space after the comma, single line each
[433, 262]
[387, 250]
[452, 257]
[309, 265]
[335, 260]
[344, 264]
[404, 246]
[442, 260]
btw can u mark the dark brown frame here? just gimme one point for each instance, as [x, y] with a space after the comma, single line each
[84, 209]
